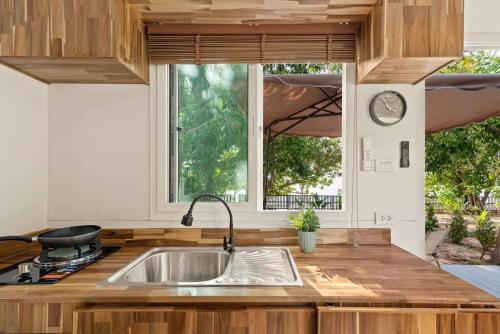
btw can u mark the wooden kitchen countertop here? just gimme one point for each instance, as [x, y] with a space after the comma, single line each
[332, 274]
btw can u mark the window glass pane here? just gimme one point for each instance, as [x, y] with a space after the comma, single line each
[303, 136]
[210, 132]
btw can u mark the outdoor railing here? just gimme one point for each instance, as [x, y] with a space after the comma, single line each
[295, 202]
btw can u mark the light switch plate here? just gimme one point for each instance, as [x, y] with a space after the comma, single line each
[384, 218]
[366, 165]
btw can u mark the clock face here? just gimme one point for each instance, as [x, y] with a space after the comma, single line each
[388, 108]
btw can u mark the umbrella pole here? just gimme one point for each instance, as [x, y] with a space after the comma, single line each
[266, 165]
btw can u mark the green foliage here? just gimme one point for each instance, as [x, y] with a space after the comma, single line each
[465, 161]
[486, 232]
[213, 122]
[476, 62]
[458, 227]
[442, 193]
[305, 220]
[431, 221]
[318, 203]
[303, 161]
[301, 68]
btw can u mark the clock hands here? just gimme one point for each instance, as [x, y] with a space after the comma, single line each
[387, 106]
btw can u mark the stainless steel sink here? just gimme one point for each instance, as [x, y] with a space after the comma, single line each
[179, 266]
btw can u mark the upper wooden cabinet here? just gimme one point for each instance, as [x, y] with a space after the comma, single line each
[403, 41]
[88, 41]
[104, 41]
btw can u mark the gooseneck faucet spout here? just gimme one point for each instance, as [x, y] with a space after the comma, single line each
[187, 219]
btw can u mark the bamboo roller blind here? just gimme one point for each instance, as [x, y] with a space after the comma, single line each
[251, 49]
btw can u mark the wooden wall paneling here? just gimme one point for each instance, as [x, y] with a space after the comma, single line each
[175, 320]
[407, 321]
[244, 237]
[76, 41]
[416, 39]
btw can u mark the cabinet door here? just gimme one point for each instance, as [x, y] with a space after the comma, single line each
[36, 317]
[184, 320]
[407, 321]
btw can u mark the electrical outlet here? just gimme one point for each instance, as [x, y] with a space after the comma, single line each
[384, 218]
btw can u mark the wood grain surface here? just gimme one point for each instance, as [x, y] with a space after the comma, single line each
[342, 274]
[244, 237]
[182, 320]
[407, 321]
[74, 41]
[405, 41]
[253, 12]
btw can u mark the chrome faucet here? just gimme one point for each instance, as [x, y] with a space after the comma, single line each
[187, 220]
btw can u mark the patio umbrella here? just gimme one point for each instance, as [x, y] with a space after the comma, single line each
[455, 100]
[452, 100]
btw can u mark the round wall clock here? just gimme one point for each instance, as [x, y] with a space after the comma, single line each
[388, 108]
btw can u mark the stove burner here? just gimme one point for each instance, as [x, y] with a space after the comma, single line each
[62, 257]
[35, 271]
[61, 263]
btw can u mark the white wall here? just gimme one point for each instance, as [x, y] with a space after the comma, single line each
[401, 192]
[482, 24]
[23, 153]
[98, 152]
[99, 158]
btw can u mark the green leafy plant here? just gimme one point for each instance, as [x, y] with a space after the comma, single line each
[318, 203]
[486, 232]
[306, 220]
[458, 227]
[431, 221]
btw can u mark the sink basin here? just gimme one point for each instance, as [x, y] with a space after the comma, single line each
[179, 266]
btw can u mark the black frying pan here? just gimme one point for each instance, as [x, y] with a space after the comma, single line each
[62, 237]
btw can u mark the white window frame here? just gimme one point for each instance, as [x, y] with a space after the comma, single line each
[251, 213]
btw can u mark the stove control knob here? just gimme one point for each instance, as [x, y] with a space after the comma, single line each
[24, 268]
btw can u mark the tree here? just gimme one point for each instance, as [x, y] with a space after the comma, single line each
[302, 162]
[467, 160]
[213, 123]
[476, 62]
[302, 68]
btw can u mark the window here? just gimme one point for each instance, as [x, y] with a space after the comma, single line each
[303, 144]
[208, 131]
[209, 134]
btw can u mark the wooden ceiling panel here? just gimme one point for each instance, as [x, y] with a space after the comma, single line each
[253, 11]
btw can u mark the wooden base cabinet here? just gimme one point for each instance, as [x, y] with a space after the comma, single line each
[181, 320]
[332, 320]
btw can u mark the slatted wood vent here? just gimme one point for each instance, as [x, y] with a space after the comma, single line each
[252, 49]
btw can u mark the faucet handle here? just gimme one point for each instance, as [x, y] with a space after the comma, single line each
[228, 244]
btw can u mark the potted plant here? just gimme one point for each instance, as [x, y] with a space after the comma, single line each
[306, 222]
